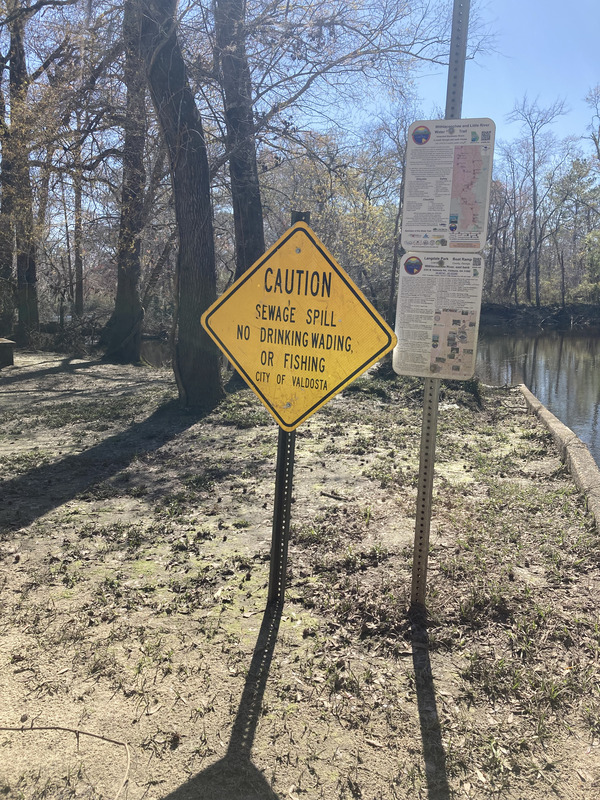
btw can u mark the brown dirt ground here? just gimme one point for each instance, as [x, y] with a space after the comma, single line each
[134, 550]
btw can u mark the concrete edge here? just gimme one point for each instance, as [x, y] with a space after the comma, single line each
[573, 452]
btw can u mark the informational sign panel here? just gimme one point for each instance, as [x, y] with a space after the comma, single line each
[297, 328]
[437, 316]
[447, 185]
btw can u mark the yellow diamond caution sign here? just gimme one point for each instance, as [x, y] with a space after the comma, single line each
[297, 328]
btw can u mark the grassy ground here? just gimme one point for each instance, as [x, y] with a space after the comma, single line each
[134, 554]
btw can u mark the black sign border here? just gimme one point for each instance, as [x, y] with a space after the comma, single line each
[300, 228]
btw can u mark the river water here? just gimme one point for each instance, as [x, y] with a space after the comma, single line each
[561, 369]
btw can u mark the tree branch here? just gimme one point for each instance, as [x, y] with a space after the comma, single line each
[79, 733]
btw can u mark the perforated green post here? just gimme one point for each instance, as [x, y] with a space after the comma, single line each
[425, 490]
[281, 515]
[284, 479]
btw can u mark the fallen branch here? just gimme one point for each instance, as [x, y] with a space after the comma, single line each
[78, 733]
[335, 496]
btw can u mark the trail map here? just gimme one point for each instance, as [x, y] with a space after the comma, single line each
[448, 179]
[437, 316]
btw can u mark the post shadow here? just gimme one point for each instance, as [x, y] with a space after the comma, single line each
[235, 777]
[27, 497]
[434, 755]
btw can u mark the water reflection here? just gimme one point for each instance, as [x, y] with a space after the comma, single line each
[561, 369]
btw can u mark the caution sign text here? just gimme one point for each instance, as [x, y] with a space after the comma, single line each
[297, 328]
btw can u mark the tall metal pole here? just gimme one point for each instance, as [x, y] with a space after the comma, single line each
[458, 56]
[454, 95]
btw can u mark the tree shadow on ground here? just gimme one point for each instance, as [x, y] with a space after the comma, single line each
[71, 366]
[235, 777]
[64, 365]
[28, 497]
[431, 732]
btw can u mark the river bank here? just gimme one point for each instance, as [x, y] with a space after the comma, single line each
[528, 318]
[560, 367]
[134, 546]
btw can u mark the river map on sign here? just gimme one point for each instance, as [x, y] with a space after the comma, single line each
[469, 187]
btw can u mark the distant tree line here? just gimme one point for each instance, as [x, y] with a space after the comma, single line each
[544, 237]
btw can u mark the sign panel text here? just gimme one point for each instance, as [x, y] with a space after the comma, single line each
[297, 328]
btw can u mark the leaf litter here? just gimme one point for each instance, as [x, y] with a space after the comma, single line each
[134, 567]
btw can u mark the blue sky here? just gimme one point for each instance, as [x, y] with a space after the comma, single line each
[545, 48]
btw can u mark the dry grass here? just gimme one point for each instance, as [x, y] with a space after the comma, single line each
[134, 566]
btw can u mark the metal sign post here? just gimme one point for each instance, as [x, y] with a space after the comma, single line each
[298, 330]
[458, 56]
[284, 479]
[454, 95]
[425, 490]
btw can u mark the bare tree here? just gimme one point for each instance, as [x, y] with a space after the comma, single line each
[123, 333]
[593, 101]
[196, 359]
[276, 62]
[17, 228]
[230, 35]
[534, 120]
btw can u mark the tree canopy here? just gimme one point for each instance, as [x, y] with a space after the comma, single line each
[133, 189]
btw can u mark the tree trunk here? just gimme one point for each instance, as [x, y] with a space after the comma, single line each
[397, 255]
[516, 254]
[7, 284]
[536, 256]
[122, 336]
[20, 185]
[241, 144]
[78, 234]
[561, 260]
[528, 269]
[196, 358]
[157, 269]
[27, 302]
